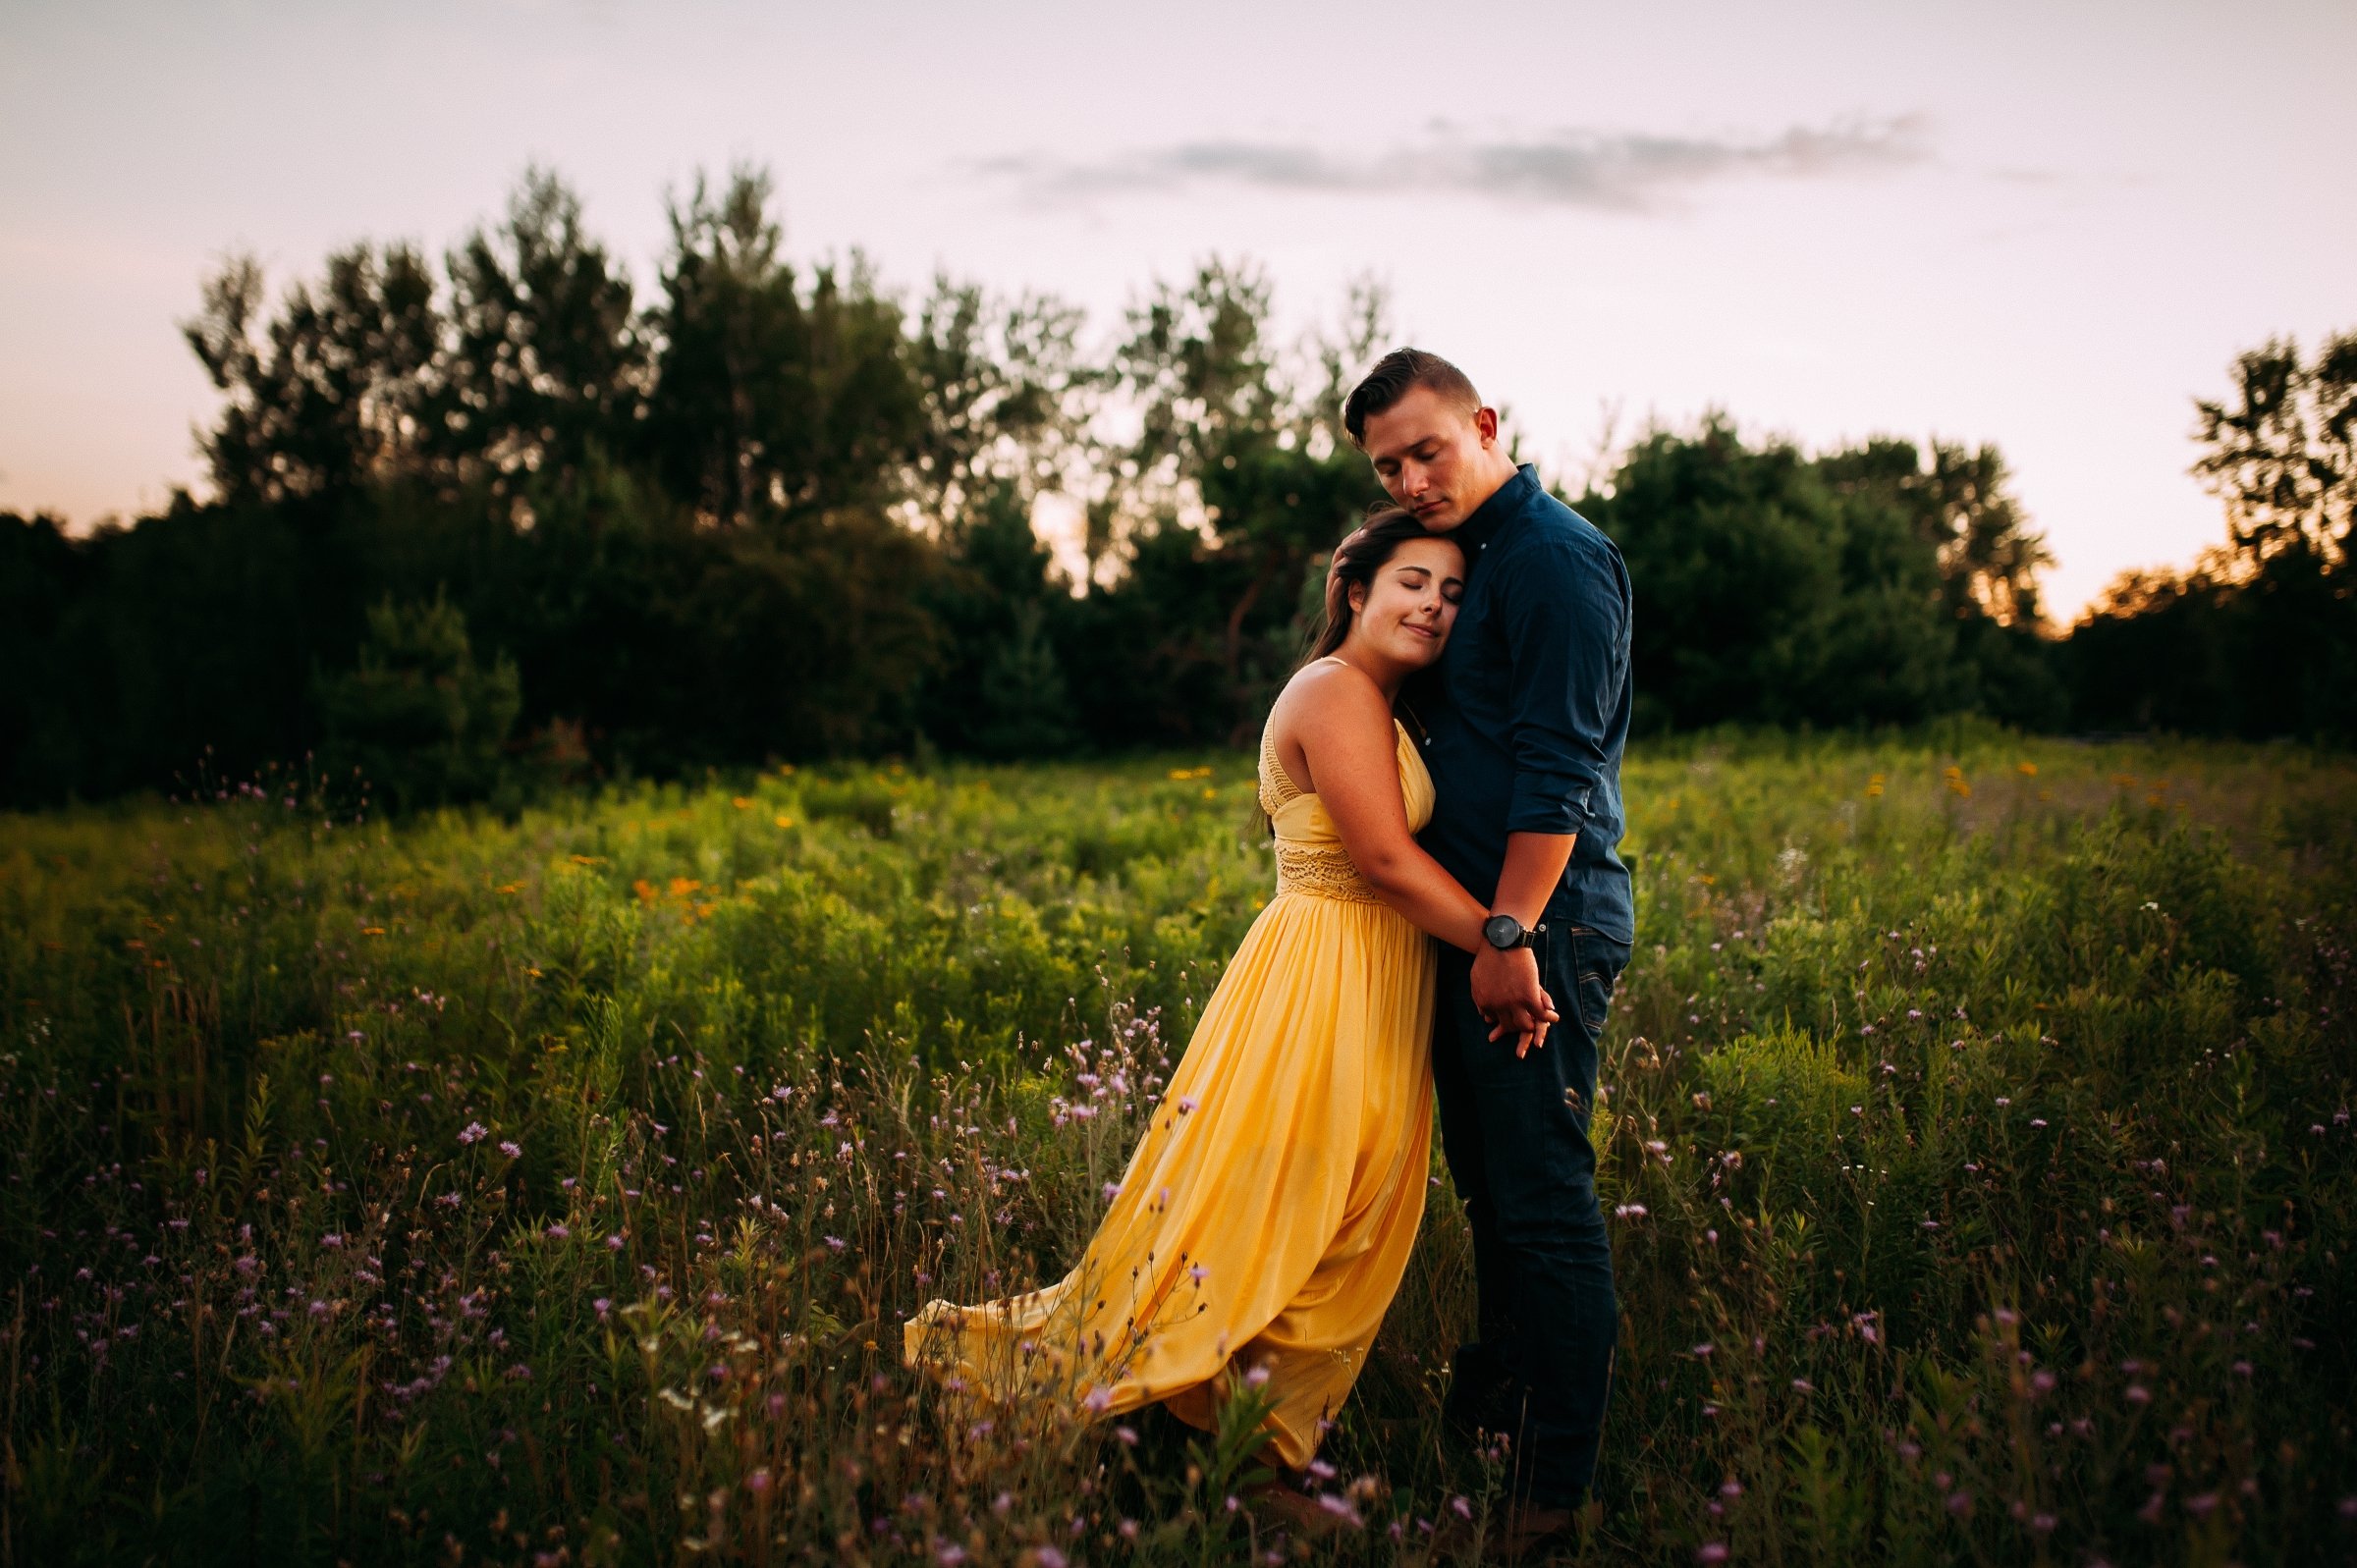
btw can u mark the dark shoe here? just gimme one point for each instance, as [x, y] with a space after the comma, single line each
[1481, 1393]
[1534, 1534]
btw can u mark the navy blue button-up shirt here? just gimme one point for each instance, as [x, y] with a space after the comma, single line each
[1526, 715]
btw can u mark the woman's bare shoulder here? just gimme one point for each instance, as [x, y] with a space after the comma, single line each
[1327, 692]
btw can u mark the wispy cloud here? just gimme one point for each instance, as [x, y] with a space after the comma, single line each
[1618, 171]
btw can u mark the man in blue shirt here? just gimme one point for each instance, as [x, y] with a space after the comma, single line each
[1522, 725]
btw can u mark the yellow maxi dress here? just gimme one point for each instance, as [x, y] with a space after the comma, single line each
[1268, 1213]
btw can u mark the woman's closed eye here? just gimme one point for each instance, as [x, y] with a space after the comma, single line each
[1417, 578]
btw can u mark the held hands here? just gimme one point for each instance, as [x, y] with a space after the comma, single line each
[1506, 991]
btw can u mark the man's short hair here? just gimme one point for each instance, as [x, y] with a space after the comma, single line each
[1395, 375]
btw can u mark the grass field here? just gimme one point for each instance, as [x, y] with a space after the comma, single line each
[1975, 1129]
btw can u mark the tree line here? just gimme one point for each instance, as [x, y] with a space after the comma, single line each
[502, 518]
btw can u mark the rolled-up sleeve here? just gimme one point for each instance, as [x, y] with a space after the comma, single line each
[1565, 616]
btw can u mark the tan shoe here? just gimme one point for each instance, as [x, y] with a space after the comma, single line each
[1300, 1515]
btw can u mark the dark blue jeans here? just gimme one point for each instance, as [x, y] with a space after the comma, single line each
[1516, 1136]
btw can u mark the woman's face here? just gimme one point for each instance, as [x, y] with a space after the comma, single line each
[1405, 613]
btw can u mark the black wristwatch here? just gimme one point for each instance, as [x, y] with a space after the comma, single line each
[1505, 933]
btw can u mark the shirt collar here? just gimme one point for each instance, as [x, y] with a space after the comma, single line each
[1504, 505]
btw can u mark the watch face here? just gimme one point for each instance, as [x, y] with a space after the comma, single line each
[1502, 931]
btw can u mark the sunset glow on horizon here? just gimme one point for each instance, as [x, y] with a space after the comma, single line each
[1987, 223]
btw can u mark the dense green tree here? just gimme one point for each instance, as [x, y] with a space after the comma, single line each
[1958, 504]
[1234, 487]
[1024, 709]
[43, 575]
[1766, 592]
[2282, 454]
[181, 645]
[547, 363]
[770, 513]
[772, 397]
[327, 395]
[1006, 399]
[418, 717]
[2260, 638]
[999, 687]
[1866, 585]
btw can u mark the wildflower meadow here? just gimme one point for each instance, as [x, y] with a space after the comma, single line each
[551, 1188]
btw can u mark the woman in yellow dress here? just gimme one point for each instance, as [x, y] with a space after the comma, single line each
[1268, 1213]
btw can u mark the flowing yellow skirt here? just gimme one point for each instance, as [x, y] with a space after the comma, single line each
[1267, 1214]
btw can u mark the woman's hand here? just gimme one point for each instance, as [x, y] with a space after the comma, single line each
[1506, 991]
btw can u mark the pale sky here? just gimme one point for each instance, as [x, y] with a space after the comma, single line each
[2047, 226]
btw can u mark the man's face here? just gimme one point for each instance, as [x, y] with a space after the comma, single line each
[1437, 459]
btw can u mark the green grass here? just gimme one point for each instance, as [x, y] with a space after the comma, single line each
[1978, 1145]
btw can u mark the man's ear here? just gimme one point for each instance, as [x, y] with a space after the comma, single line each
[1485, 421]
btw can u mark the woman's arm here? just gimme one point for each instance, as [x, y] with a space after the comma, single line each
[1343, 728]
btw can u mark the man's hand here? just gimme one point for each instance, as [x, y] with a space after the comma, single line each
[1506, 984]
[1506, 991]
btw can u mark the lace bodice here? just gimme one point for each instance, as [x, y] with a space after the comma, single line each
[1310, 858]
